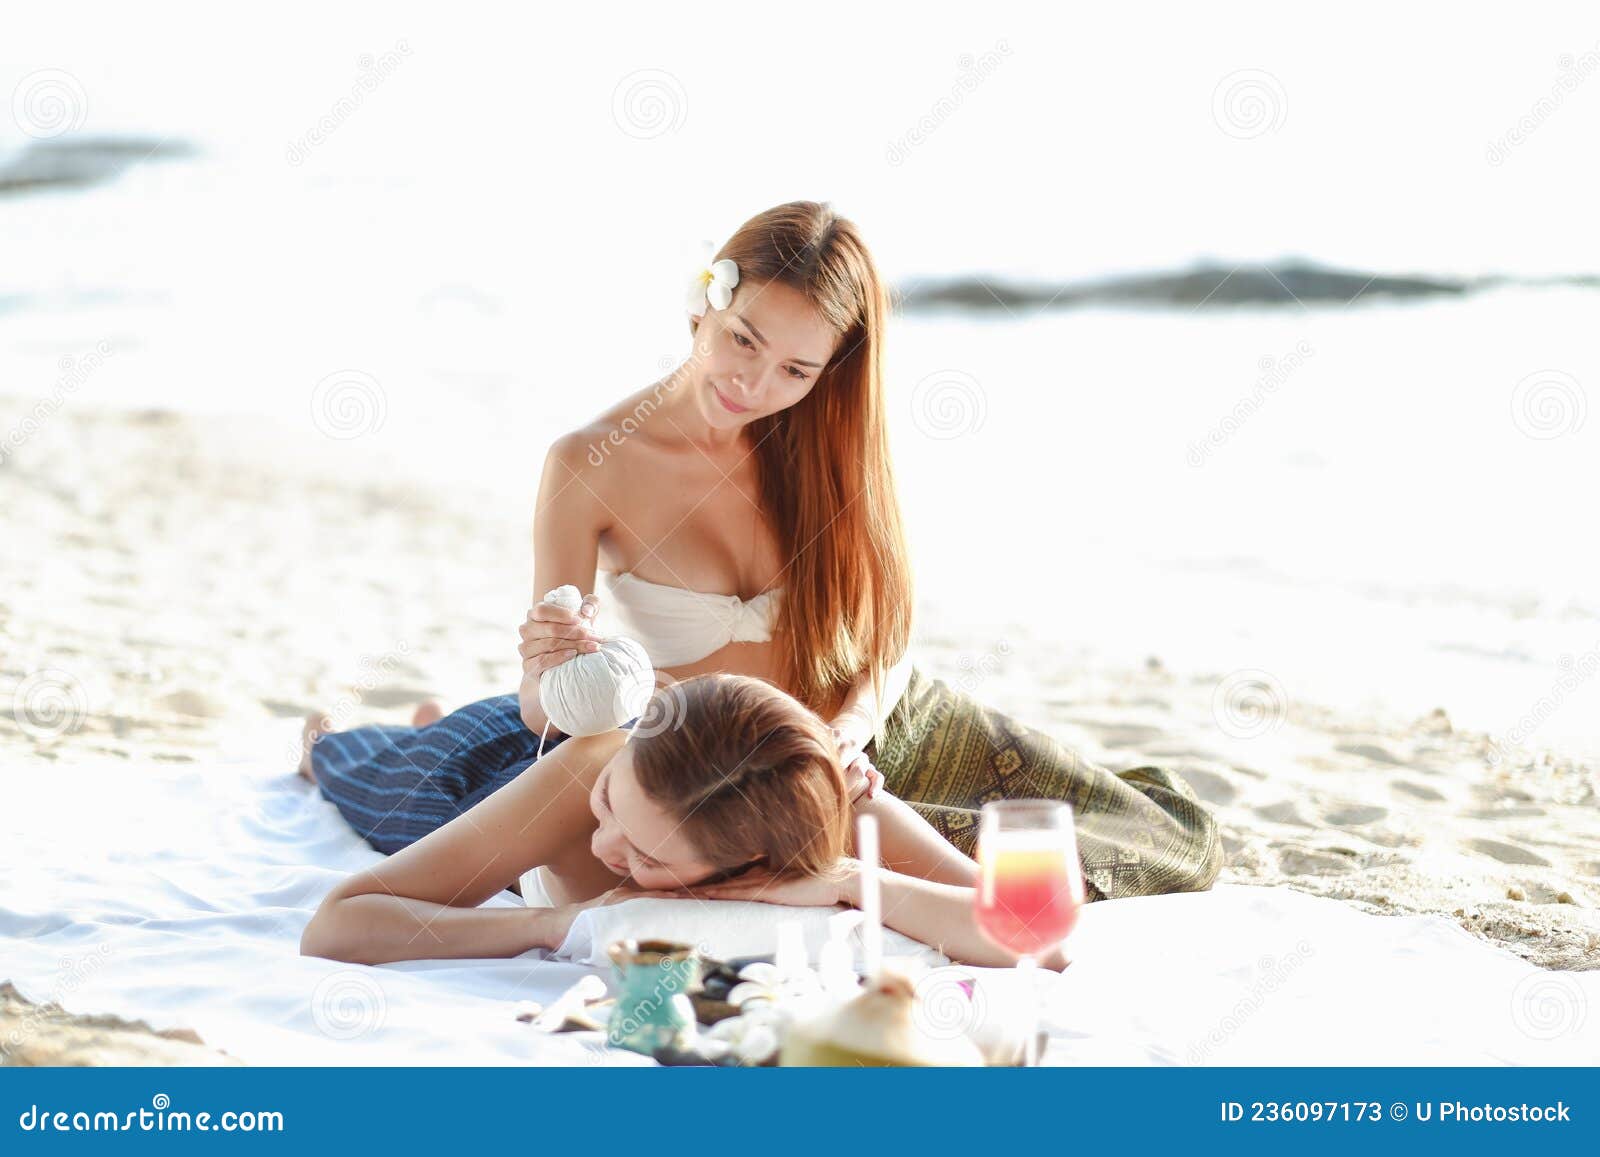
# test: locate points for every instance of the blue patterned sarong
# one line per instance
(396, 784)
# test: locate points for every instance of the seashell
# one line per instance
(762, 972)
(753, 1039)
(801, 984)
(713, 1049)
(749, 991)
(757, 1045)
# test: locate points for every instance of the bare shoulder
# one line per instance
(629, 433)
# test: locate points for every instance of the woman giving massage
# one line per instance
(737, 516)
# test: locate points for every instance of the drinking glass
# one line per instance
(1030, 886)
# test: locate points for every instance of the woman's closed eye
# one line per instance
(794, 372)
(605, 800)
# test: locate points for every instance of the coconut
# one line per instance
(877, 1028)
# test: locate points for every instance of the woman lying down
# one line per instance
(745, 800)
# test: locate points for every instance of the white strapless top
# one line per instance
(534, 893)
(676, 625)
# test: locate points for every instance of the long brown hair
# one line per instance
(748, 772)
(826, 479)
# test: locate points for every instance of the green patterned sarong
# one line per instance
(1140, 832)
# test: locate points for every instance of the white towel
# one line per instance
(176, 893)
(722, 929)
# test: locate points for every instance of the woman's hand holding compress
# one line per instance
(551, 635)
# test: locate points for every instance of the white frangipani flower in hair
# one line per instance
(713, 286)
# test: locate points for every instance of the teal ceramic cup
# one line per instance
(653, 1010)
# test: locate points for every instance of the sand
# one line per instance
(48, 1035)
(172, 581)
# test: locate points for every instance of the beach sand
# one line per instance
(170, 581)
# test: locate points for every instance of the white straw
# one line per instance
(871, 896)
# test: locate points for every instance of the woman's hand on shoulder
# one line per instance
(861, 777)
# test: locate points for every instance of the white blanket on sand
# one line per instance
(176, 893)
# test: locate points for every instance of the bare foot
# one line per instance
(315, 727)
(428, 711)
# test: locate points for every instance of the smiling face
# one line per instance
(760, 355)
(637, 837)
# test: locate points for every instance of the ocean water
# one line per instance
(438, 244)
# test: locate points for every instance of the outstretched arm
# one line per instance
(862, 714)
(939, 915)
(422, 903)
(911, 845)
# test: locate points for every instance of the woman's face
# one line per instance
(636, 837)
(760, 355)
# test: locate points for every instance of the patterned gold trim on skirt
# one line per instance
(1141, 832)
